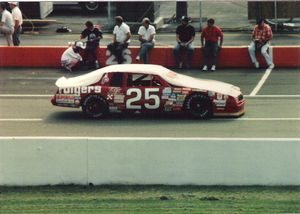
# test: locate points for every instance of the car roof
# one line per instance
(134, 68)
(95, 76)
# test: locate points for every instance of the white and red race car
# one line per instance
(141, 88)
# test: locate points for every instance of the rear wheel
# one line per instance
(199, 106)
(95, 106)
(90, 6)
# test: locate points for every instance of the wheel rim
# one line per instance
(91, 5)
(199, 107)
(95, 109)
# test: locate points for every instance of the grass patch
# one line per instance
(149, 199)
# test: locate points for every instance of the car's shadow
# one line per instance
(114, 118)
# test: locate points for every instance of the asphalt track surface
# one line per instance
(272, 108)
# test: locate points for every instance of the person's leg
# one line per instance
(214, 52)
(119, 52)
(266, 55)
(110, 47)
(9, 39)
(145, 47)
(205, 51)
(251, 50)
(190, 53)
(8, 34)
(16, 36)
(176, 52)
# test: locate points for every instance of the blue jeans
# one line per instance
(144, 51)
(210, 48)
(177, 51)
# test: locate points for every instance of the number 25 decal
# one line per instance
(138, 96)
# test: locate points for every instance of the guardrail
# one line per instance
(170, 161)
(229, 57)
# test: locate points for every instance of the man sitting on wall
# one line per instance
(121, 39)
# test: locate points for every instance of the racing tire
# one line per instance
(90, 6)
(95, 106)
(198, 106)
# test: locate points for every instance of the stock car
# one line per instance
(137, 88)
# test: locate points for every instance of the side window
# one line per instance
(156, 81)
(138, 80)
(116, 79)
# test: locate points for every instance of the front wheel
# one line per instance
(95, 106)
(199, 106)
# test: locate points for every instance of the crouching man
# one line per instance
(71, 58)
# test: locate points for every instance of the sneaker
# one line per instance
(213, 68)
(271, 66)
(68, 68)
(138, 58)
(204, 68)
(256, 64)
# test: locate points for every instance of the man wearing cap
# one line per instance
(93, 36)
(146, 37)
(121, 39)
(18, 20)
(261, 37)
(71, 57)
(6, 24)
(211, 34)
(185, 34)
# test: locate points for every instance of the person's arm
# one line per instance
(141, 39)
(151, 38)
(202, 39)
(153, 32)
(17, 23)
(128, 35)
(190, 41)
(114, 38)
(269, 35)
(221, 38)
(177, 38)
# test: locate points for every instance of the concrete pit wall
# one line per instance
(168, 161)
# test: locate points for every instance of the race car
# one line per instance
(138, 88)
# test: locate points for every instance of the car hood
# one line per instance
(205, 84)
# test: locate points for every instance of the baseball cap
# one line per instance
(13, 2)
(184, 18)
(80, 45)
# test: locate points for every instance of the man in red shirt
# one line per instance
(261, 37)
(211, 35)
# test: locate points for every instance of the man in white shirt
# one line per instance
(18, 20)
(147, 38)
(121, 39)
(6, 24)
(71, 57)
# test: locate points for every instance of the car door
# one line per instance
(143, 92)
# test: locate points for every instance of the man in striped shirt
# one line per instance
(261, 37)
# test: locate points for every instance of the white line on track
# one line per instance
(261, 82)
(214, 119)
(273, 96)
(21, 120)
(148, 138)
(259, 119)
(50, 95)
(32, 78)
(25, 95)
